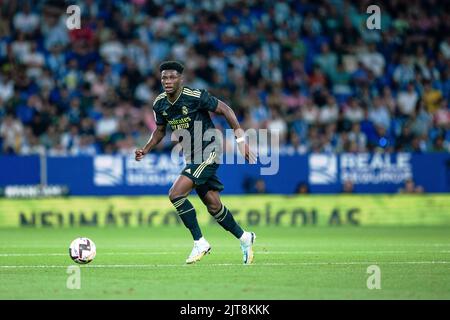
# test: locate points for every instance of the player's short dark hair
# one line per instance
(171, 65)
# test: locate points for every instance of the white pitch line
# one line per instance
(65, 254)
(260, 244)
(226, 264)
(256, 252)
(350, 252)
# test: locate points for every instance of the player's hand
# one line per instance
(248, 154)
(139, 154)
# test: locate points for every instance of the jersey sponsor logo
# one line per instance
(179, 121)
(178, 124)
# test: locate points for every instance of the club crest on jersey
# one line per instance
(184, 110)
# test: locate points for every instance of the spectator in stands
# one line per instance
(302, 188)
(439, 145)
(442, 116)
(315, 86)
(348, 187)
(411, 187)
(326, 60)
(11, 132)
(31, 144)
(329, 112)
(353, 111)
(25, 20)
(277, 125)
(404, 72)
(358, 138)
(6, 87)
(373, 60)
(340, 80)
(260, 186)
(407, 100)
(254, 185)
(432, 97)
(379, 114)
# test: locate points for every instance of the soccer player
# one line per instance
(184, 108)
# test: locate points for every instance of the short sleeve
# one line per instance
(159, 119)
(208, 101)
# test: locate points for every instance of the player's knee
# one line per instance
(174, 194)
(214, 207)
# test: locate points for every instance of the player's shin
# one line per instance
(226, 220)
(187, 214)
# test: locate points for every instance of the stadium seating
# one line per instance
(311, 70)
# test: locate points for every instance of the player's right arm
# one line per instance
(155, 138)
(157, 135)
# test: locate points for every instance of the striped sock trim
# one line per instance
(220, 220)
(183, 212)
(217, 215)
(179, 203)
(221, 214)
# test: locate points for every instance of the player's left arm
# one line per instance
(224, 110)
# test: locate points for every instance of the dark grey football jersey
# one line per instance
(190, 114)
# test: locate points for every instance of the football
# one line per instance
(82, 250)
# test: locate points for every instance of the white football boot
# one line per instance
(247, 241)
(201, 248)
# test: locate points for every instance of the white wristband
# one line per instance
(240, 139)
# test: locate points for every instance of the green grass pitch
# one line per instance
(290, 263)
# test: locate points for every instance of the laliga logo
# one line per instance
(73, 21)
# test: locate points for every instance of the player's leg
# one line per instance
(224, 217)
(178, 196)
(221, 214)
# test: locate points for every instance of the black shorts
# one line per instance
(204, 176)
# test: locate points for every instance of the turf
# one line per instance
(290, 263)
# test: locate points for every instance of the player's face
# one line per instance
(170, 80)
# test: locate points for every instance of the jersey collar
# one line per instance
(172, 103)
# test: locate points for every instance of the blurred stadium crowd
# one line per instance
(310, 69)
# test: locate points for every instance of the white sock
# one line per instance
(245, 237)
(202, 239)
